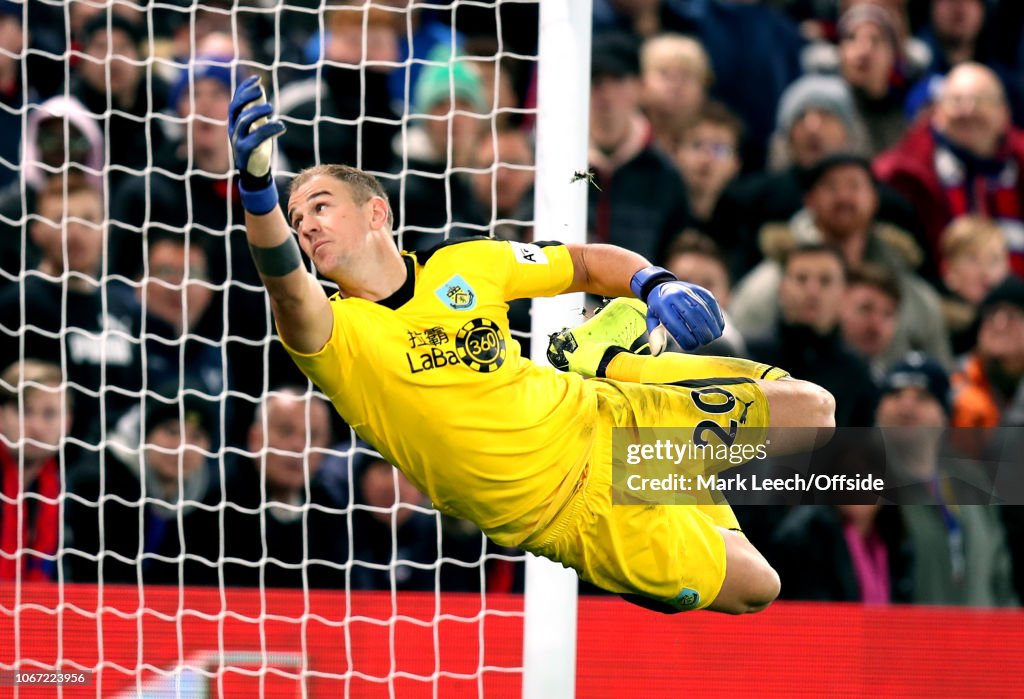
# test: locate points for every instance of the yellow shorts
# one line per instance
(674, 554)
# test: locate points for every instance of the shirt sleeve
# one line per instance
(537, 269)
(328, 367)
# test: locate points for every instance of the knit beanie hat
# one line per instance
(216, 68)
(455, 78)
(875, 14)
(825, 92)
(919, 371)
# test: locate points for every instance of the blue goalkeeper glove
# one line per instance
(689, 312)
(252, 142)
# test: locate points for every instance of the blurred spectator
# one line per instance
(841, 207)
(220, 43)
(953, 32)
(175, 295)
(958, 33)
(899, 11)
(499, 76)
(991, 380)
(968, 159)
(192, 187)
(35, 416)
(55, 38)
(210, 28)
(870, 61)
(13, 93)
(195, 190)
(131, 496)
(641, 18)
(344, 115)
(60, 138)
(69, 317)
(960, 551)
(60, 135)
(83, 12)
(676, 76)
(844, 553)
(693, 257)
(430, 34)
(45, 60)
(755, 54)
(505, 187)
(639, 201)
(806, 338)
(434, 201)
(393, 524)
(974, 261)
(822, 28)
(816, 117)
(708, 158)
(423, 32)
(869, 315)
(273, 523)
(111, 82)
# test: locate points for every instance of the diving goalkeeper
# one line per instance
(415, 353)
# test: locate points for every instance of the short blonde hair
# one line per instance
(685, 52)
(28, 375)
(362, 185)
(969, 234)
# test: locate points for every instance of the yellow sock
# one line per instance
(673, 367)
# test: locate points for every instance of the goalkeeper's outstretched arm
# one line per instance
(689, 312)
(301, 309)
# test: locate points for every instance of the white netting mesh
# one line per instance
(209, 526)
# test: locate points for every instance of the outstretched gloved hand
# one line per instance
(689, 312)
(252, 134)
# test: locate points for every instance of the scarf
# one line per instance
(39, 516)
(986, 186)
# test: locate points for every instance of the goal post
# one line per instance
(563, 108)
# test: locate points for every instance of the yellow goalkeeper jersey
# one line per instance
(432, 378)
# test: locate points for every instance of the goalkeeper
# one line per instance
(415, 354)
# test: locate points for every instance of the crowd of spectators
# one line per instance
(847, 177)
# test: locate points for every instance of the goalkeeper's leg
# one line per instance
(613, 344)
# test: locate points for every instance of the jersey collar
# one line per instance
(404, 292)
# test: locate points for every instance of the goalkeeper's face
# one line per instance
(335, 231)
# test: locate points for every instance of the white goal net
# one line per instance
(181, 513)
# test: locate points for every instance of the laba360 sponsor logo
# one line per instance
(479, 345)
(432, 354)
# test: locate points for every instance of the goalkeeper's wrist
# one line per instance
(259, 194)
(644, 281)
